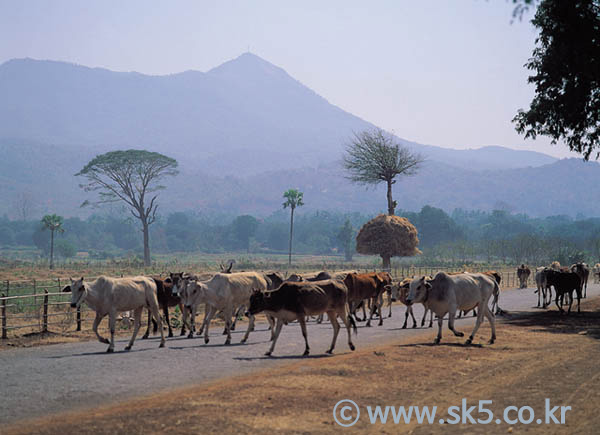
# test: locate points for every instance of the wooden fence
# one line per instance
(35, 305)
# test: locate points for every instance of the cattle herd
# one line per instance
(296, 298)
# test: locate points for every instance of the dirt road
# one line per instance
(67, 377)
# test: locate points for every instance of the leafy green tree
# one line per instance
(346, 238)
(53, 223)
(566, 65)
(130, 176)
(374, 156)
(293, 199)
(244, 228)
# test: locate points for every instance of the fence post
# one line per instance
(79, 318)
(4, 336)
(7, 288)
(45, 318)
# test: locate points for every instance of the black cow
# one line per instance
(564, 283)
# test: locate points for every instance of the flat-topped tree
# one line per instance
(53, 223)
(130, 176)
(374, 156)
(388, 236)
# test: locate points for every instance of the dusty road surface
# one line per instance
(69, 377)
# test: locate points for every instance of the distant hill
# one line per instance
(243, 132)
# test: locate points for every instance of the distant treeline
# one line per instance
(458, 238)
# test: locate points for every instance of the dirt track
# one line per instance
(117, 377)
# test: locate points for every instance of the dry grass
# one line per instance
(536, 356)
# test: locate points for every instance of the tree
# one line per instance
(53, 223)
(244, 228)
(65, 249)
(566, 65)
(293, 199)
(388, 236)
(374, 156)
(344, 237)
(130, 176)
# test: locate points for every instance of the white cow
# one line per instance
(597, 273)
(109, 296)
(223, 292)
(399, 292)
(445, 294)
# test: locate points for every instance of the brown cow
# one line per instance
(363, 286)
(523, 273)
(296, 300)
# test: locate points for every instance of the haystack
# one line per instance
(388, 236)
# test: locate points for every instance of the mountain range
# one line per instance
(243, 133)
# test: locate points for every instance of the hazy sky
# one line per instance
(447, 73)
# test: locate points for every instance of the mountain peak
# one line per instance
(248, 65)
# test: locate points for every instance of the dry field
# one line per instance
(538, 355)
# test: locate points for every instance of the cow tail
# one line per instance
(496, 296)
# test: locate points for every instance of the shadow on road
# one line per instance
(282, 357)
(584, 323)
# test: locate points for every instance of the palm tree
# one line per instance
(293, 199)
(53, 223)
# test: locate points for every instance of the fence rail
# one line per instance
(35, 300)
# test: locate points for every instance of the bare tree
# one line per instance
(24, 205)
(129, 176)
(374, 156)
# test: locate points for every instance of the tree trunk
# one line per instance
(291, 235)
(147, 261)
(386, 263)
(391, 205)
(51, 249)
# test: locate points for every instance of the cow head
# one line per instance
(257, 302)
(78, 292)
(192, 292)
(177, 280)
(418, 290)
(392, 290)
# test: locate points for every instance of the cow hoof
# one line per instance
(268, 353)
(436, 341)
(224, 332)
(459, 334)
(389, 315)
(243, 341)
(190, 335)
(127, 348)
(144, 337)
(414, 326)
(110, 350)
(206, 340)
(352, 347)
(329, 351)
(182, 333)
(162, 344)
(306, 352)
(404, 326)
(104, 340)
(228, 341)
(469, 341)
(170, 335)
(491, 341)
(368, 325)
(380, 323)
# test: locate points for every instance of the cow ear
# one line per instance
(66, 289)
(82, 278)
(427, 285)
(169, 280)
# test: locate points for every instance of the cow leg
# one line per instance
(137, 321)
(147, 333)
(474, 312)
(439, 335)
(207, 318)
(556, 302)
(405, 318)
(336, 329)
(320, 318)
(492, 319)
(424, 317)
(379, 301)
(390, 303)
(373, 310)
(250, 328)
(166, 311)
(302, 322)
(206, 310)
(460, 313)
(192, 313)
(228, 315)
(183, 318)
(277, 331)
(97, 321)
(349, 323)
(430, 318)
(539, 292)
(112, 319)
(477, 323)
(271, 321)
(412, 314)
(451, 316)
(156, 315)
